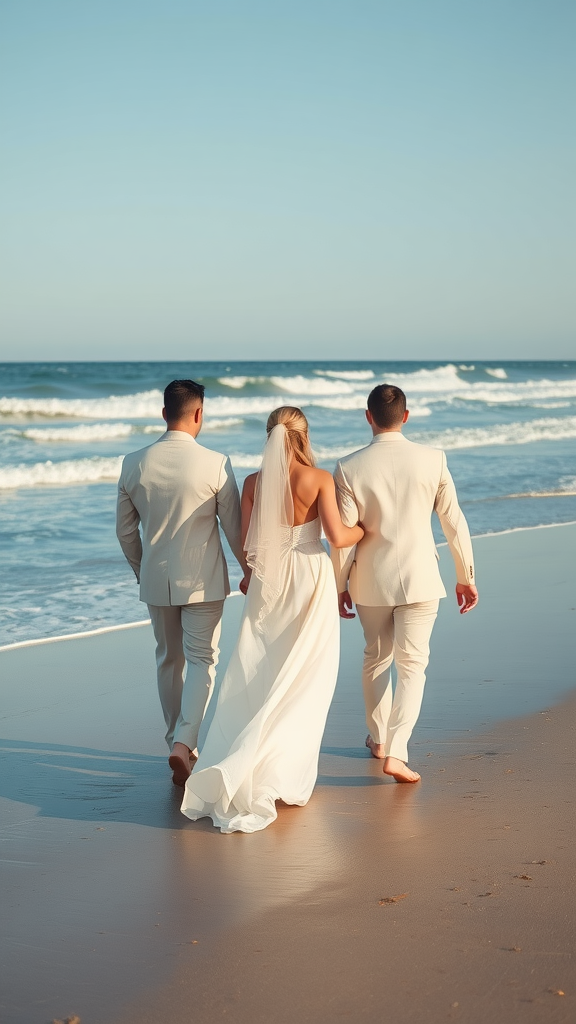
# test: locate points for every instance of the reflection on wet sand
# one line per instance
(131, 880)
(245, 875)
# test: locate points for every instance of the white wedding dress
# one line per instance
(264, 741)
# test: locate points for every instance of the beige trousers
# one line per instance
(186, 635)
(400, 634)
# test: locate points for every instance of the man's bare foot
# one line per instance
(179, 762)
(376, 749)
(399, 771)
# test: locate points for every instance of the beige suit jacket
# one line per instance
(170, 498)
(392, 487)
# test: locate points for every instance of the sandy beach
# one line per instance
(450, 900)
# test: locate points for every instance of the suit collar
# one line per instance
(177, 435)
(389, 436)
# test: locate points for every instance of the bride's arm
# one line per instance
(247, 504)
(338, 535)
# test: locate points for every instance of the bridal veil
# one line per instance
(269, 539)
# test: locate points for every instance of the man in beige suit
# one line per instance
(171, 496)
(392, 487)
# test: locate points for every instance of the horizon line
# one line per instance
(354, 362)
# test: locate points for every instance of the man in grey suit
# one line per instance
(171, 497)
(392, 487)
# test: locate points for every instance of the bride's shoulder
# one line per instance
(250, 483)
(309, 472)
(316, 478)
(322, 475)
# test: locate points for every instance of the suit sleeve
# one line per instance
(228, 510)
(342, 558)
(127, 531)
(454, 526)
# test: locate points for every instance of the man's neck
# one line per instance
(386, 430)
(184, 428)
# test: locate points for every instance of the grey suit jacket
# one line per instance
(170, 498)
(393, 486)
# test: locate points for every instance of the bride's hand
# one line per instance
(243, 585)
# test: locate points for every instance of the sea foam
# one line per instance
(479, 437)
(347, 374)
(258, 405)
(350, 402)
(300, 385)
(241, 382)
(92, 432)
(331, 389)
(98, 469)
(51, 474)
(108, 431)
(552, 429)
(143, 405)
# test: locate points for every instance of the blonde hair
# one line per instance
(296, 431)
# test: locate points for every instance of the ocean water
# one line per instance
(508, 429)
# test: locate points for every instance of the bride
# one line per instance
(264, 740)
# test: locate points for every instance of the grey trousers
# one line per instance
(186, 635)
(400, 634)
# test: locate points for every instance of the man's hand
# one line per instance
(467, 597)
(345, 606)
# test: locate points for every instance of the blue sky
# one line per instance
(307, 179)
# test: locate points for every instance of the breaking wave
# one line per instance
(347, 374)
(144, 405)
(300, 385)
(98, 469)
(51, 474)
(553, 429)
(107, 431)
(241, 461)
(241, 382)
(94, 432)
(332, 389)
(531, 393)
(480, 437)
(263, 405)
(359, 402)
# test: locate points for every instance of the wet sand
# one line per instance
(375, 902)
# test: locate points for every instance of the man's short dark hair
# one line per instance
(179, 396)
(387, 405)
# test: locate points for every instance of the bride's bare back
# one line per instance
(305, 484)
(313, 495)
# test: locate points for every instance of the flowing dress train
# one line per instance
(264, 741)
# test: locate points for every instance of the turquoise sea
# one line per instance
(508, 429)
